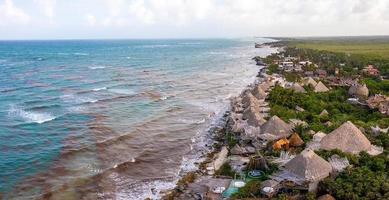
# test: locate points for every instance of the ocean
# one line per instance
(112, 119)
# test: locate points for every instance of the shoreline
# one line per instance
(216, 134)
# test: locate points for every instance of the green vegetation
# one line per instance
(372, 49)
(225, 170)
(283, 102)
(250, 190)
(231, 139)
(273, 68)
(367, 179)
(358, 183)
(377, 86)
(368, 176)
(349, 56)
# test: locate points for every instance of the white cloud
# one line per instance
(139, 10)
(208, 18)
(10, 14)
(47, 6)
(90, 19)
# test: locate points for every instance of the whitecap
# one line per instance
(71, 98)
(163, 98)
(98, 89)
(30, 116)
(76, 109)
(81, 54)
(123, 91)
(96, 67)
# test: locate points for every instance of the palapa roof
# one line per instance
(295, 140)
(248, 100)
(347, 138)
(265, 85)
(309, 166)
(359, 90)
(309, 81)
(258, 92)
(324, 112)
(320, 87)
(276, 127)
(253, 117)
(326, 197)
(297, 88)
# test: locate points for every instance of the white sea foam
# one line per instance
(71, 98)
(97, 67)
(122, 91)
(30, 116)
(145, 190)
(81, 54)
(76, 109)
(98, 89)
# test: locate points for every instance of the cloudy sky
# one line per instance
(67, 19)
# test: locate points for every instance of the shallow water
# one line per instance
(112, 119)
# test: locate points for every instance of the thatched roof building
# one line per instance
(323, 113)
(258, 92)
(309, 166)
(309, 81)
(295, 140)
(380, 102)
(358, 90)
(249, 100)
(347, 138)
(320, 87)
(276, 128)
(297, 88)
(253, 116)
(326, 197)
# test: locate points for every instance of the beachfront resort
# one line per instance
(314, 125)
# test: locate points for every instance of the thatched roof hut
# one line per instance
(295, 140)
(320, 87)
(309, 166)
(359, 90)
(277, 128)
(265, 86)
(309, 81)
(380, 102)
(253, 116)
(326, 197)
(258, 92)
(248, 100)
(323, 113)
(347, 138)
(297, 88)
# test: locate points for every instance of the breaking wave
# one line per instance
(30, 116)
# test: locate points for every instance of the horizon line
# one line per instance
(189, 38)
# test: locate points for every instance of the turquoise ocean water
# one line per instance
(111, 118)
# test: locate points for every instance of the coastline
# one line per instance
(216, 134)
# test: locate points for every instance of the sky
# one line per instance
(121, 19)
